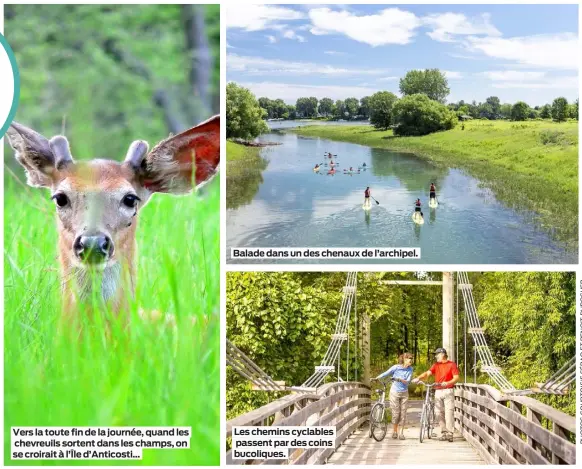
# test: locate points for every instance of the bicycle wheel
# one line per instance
(378, 425)
(422, 419)
(431, 422)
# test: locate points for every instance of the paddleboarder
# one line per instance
(367, 202)
(432, 191)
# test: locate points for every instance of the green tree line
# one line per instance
(284, 322)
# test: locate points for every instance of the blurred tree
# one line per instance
(560, 111)
(108, 74)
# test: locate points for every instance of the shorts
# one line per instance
(417, 209)
(433, 195)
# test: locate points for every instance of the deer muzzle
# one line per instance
(93, 249)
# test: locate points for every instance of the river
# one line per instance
(290, 205)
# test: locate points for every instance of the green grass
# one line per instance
(143, 378)
(529, 165)
(244, 167)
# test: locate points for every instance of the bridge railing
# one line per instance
(343, 405)
(508, 429)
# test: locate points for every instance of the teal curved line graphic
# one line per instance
(16, 75)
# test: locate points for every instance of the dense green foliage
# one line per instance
(430, 82)
(244, 168)
(352, 107)
(106, 75)
(284, 322)
(530, 320)
(306, 107)
(417, 114)
(519, 111)
(381, 106)
(109, 74)
(275, 109)
(514, 159)
(244, 116)
(326, 107)
(560, 110)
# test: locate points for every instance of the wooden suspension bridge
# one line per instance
(490, 428)
(492, 425)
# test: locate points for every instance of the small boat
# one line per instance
(417, 218)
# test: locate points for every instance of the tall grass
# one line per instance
(529, 165)
(142, 376)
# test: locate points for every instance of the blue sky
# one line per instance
(515, 52)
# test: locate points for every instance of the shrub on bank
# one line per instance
(419, 115)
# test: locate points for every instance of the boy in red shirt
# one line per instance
(446, 373)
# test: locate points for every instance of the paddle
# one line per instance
(375, 200)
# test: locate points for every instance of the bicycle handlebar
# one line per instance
(430, 385)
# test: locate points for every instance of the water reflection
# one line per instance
(294, 206)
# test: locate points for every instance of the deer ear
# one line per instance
(40, 157)
(181, 162)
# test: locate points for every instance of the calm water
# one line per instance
(291, 206)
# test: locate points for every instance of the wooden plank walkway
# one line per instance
(359, 448)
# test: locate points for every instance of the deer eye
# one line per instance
(130, 200)
(60, 199)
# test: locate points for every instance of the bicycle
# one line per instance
(428, 416)
(378, 424)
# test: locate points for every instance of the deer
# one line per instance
(98, 201)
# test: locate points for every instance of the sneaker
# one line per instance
(444, 437)
(394, 436)
(450, 437)
(401, 437)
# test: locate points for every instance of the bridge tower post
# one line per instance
(448, 315)
(365, 347)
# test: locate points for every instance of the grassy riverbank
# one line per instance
(244, 166)
(528, 165)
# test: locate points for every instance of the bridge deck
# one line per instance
(359, 448)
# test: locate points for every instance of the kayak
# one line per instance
(316, 169)
(433, 203)
(347, 171)
(417, 218)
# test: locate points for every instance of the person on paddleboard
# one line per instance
(316, 166)
(417, 205)
(364, 165)
(367, 197)
(432, 191)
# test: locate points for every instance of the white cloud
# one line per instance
(258, 17)
(272, 39)
(387, 78)
(514, 75)
(290, 34)
(558, 51)
(262, 66)
(448, 25)
(562, 83)
(333, 52)
(389, 26)
(290, 92)
(453, 75)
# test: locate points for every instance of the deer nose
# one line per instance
(93, 249)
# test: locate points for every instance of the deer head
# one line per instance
(97, 201)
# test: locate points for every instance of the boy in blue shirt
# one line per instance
(401, 375)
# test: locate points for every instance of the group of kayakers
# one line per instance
(417, 203)
(332, 165)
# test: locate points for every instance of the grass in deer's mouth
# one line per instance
(145, 378)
